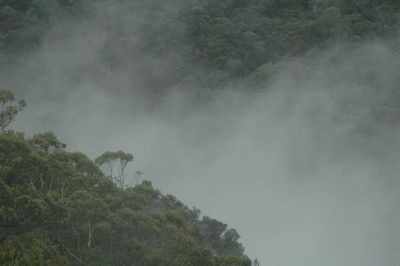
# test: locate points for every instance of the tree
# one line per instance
(115, 161)
(57, 208)
(46, 142)
(231, 245)
(9, 108)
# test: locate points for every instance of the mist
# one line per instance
(305, 168)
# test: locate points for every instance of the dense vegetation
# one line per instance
(58, 208)
(228, 38)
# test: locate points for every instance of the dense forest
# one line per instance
(61, 208)
(202, 43)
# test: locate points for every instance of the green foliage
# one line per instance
(114, 165)
(9, 108)
(232, 261)
(239, 37)
(58, 208)
(32, 252)
(46, 142)
(230, 38)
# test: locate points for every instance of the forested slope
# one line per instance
(58, 208)
(169, 41)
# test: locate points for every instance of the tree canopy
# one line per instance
(227, 39)
(9, 108)
(59, 208)
(114, 165)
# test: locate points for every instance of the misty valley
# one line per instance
(199, 132)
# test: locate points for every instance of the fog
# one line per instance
(305, 169)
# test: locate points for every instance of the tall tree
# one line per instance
(9, 108)
(114, 165)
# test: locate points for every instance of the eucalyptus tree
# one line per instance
(9, 108)
(114, 165)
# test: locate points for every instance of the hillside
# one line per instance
(57, 208)
(281, 115)
(198, 43)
